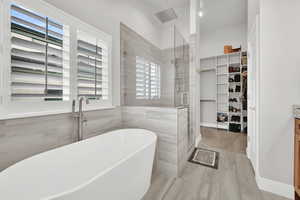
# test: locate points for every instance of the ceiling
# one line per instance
(159, 5)
(221, 13)
(181, 7)
(217, 13)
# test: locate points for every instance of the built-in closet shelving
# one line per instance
(222, 91)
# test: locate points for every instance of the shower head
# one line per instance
(166, 15)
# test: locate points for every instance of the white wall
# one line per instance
(167, 37)
(253, 10)
(182, 24)
(212, 42)
(168, 34)
(106, 15)
(208, 90)
(280, 87)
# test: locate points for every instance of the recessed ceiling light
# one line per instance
(200, 13)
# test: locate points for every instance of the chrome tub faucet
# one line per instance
(79, 116)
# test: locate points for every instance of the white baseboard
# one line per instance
(275, 187)
(212, 125)
(208, 124)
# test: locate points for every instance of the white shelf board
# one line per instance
(234, 53)
(234, 73)
(222, 65)
(208, 58)
(222, 93)
(234, 113)
(222, 74)
(207, 69)
(234, 63)
(223, 122)
(222, 83)
(214, 125)
(222, 125)
(222, 55)
(231, 122)
(208, 99)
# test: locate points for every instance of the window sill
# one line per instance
(52, 112)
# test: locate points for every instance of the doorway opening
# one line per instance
(224, 66)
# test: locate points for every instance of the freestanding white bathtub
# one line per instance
(112, 166)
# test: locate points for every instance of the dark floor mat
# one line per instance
(205, 157)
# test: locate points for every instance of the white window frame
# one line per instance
(10, 109)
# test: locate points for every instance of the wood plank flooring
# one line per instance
(225, 140)
(233, 180)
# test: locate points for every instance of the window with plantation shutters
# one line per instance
(154, 81)
(49, 58)
(39, 57)
(147, 79)
(92, 59)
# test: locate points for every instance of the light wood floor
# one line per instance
(233, 180)
(224, 140)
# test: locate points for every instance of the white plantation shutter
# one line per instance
(147, 79)
(142, 78)
(39, 57)
(36, 56)
(92, 75)
(155, 81)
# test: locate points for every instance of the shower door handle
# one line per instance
(183, 95)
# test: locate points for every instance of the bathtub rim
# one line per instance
(97, 176)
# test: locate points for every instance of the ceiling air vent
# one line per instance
(166, 15)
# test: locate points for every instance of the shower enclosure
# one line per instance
(181, 62)
(181, 66)
(155, 77)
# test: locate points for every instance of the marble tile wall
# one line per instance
(167, 78)
(182, 138)
(194, 100)
(182, 68)
(23, 138)
(170, 125)
(132, 45)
